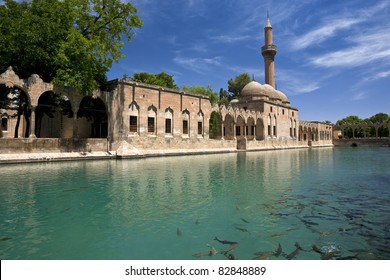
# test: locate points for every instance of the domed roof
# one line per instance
(256, 89)
(282, 95)
(252, 88)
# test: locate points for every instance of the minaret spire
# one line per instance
(269, 51)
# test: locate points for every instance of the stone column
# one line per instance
(222, 126)
(32, 122)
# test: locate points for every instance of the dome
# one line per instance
(252, 88)
(256, 89)
(271, 92)
(282, 95)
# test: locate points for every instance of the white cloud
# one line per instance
(230, 38)
(365, 49)
(332, 25)
(198, 64)
(360, 96)
(321, 34)
(382, 75)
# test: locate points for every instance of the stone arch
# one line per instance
(250, 128)
(228, 127)
(17, 105)
(383, 131)
(260, 129)
(92, 118)
(53, 116)
(240, 127)
(215, 125)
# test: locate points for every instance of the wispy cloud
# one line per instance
(360, 96)
(230, 38)
(198, 64)
(296, 82)
(334, 24)
(365, 48)
(323, 33)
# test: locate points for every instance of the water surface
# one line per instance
(173, 208)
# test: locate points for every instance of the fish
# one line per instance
(209, 253)
(316, 249)
(278, 234)
(278, 251)
(197, 222)
(231, 248)
(244, 220)
(306, 222)
(5, 238)
(225, 241)
(295, 252)
(263, 255)
(178, 232)
(241, 229)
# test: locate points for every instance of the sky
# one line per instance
(332, 61)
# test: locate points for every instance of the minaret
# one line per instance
(269, 51)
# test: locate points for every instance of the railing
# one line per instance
(268, 48)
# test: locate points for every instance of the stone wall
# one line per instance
(51, 145)
(362, 142)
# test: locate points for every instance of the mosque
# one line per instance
(129, 118)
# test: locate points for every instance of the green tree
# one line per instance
(349, 120)
(162, 79)
(379, 118)
(70, 42)
(223, 97)
(235, 86)
(206, 91)
(383, 131)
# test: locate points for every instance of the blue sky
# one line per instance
(333, 57)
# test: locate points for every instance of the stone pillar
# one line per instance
(32, 122)
(222, 126)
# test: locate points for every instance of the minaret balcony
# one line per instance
(268, 49)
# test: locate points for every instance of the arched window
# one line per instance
(269, 125)
(134, 116)
(152, 113)
(186, 122)
(168, 121)
(200, 123)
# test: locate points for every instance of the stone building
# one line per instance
(131, 118)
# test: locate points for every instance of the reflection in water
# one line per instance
(295, 204)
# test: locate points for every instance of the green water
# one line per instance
(171, 208)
